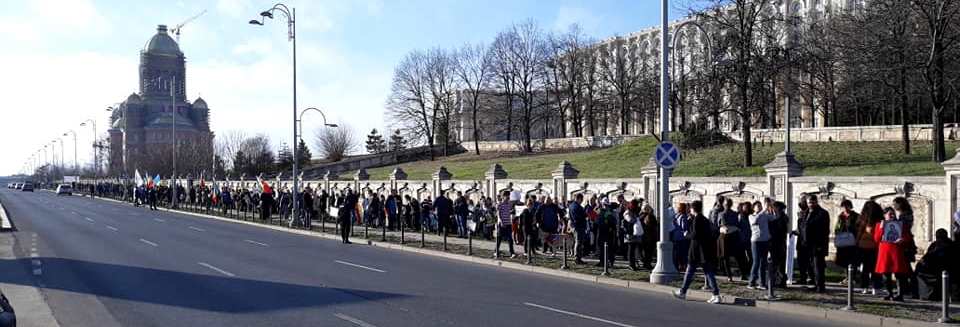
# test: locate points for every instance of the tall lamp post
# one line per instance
(291, 16)
(96, 163)
(76, 166)
(300, 122)
(664, 272)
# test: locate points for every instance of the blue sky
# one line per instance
(64, 61)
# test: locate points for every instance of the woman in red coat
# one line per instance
(890, 235)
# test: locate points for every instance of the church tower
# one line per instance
(160, 63)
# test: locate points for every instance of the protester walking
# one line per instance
(702, 253)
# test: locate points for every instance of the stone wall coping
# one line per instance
(844, 128)
(939, 180)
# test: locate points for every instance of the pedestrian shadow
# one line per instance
(179, 289)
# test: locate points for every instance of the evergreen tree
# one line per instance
(284, 158)
(375, 143)
(303, 154)
(397, 142)
(240, 162)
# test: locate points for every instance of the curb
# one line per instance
(832, 315)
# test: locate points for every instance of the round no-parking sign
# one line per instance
(667, 155)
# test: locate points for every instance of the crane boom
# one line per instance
(176, 29)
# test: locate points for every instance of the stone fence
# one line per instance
(893, 133)
(934, 198)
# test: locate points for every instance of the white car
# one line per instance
(64, 189)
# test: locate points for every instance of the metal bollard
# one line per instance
(850, 306)
(444, 236)
(945, 294)
(771, 280)
(401, 231)
(423, 242)
(383, 234)
(564, 265)
(606, 269)
(469, 242)
(496, 250)
(366, 229)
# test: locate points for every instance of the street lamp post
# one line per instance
(96, 163)
(300, 122)
(664, 272)
(291, 16)
(76, 166)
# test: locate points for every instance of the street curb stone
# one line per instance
(827, 314)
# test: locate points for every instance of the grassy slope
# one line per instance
(836, 159)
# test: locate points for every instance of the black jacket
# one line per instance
(703, 245)
(817, 231)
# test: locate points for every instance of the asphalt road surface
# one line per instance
(110, 264)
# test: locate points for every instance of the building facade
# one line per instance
(142, 126)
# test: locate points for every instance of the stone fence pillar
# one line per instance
(396, 175)
(560, 176)
(779, 171)
(493, 174)
(327, 177)
(361, 175)
(649, 174)
(952, 169)
(438, 177)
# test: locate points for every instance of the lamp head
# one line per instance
(255, 22)
(332, 125)
(267, 14)
(83, 124)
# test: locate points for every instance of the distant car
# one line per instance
(64, 189)
(27, 187)
(18, 186)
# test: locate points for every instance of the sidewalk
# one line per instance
(26, 298)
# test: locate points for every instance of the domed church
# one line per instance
(142, 125)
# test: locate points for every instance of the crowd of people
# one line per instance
(877, 241)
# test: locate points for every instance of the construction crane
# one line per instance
(176, 29)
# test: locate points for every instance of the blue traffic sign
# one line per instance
(667, 155)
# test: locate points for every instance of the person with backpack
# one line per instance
(548, 219)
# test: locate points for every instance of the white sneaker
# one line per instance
(873, 291)
(866, 291)
(679, 295)
(715, 299)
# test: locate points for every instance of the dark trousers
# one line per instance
(902, 283)
(529, 244)
(345, 230)
(648, 253)
(805, 264)
(778, 252)
(504, 233)
(868, 277)
(820, 268)
(633, 253)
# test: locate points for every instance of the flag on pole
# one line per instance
(264, 186)
(147, 180)
(156, 180)
(138, 179)
(202, 184)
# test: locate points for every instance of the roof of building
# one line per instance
(162, 43)
(165, 120)
(199, 103)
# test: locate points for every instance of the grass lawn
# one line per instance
(825, 159)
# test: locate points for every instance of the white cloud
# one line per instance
(567, 15)
(235, 8)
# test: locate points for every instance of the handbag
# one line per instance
(844, 239)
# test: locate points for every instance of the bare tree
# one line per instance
(474, 69)
(526, 57)
(335, 144)
(570, 53)
(408, 105)
(939, 20)
(228, 143)
(442, 83)
(504, 72)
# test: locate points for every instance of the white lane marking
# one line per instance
(33, 249)
(159, 220)
(198, 229)
(148, 242)
(580, 315)
(355, 321)
(216, 269)
(88, 219)
(74, 212)
(255, 242)
(112, 228)
(358, 266)
(34, 255)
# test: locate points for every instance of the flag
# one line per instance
(149, 181)
(264, 186)
(214, 193)
(138, 179)
(156, 180)
(201, 179)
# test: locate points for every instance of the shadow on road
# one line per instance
(180, 289)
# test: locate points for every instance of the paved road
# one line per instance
(110, 264)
